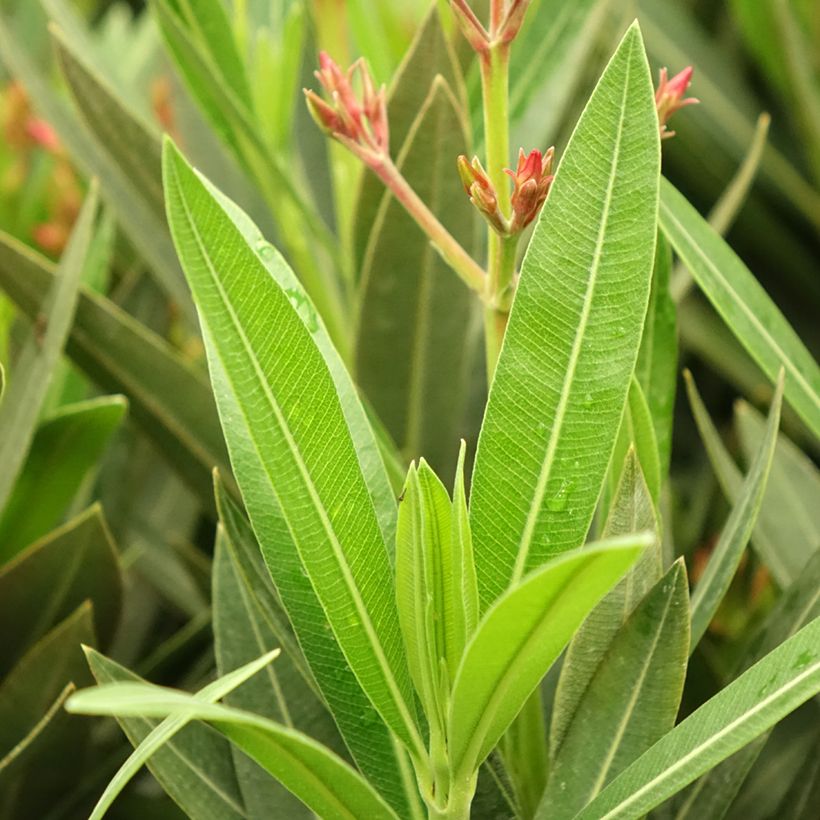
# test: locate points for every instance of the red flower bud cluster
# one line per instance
(531, 184)
(357, 120)
(669, 97)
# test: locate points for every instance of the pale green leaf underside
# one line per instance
(570, 348)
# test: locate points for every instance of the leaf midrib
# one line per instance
(563, 402)
(785, 360)
(337, 551)
(711, 741)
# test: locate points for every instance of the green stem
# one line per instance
(501, 251)
(443, 241)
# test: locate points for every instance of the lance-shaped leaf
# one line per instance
(632, 510)
(242, 632)
(745, 307)
(518, 640)
(39, 357)
(784, 560)
(169, 727)
(65, 448)
(170, 400)
(793, 488)
(365, 438)
(712, 795)
(48, 581)
(723, 562)
(778, 684)
(194, 766)
(416, 331)
(631, 701)
(657, 366)
(305, 465)
(324, 782)
(562, 378)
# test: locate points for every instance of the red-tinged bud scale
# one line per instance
(358, 121)
(669, 97)
(531, 180)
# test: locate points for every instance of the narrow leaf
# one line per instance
(554, 408)
(170, 400)
(321, 780)
(632, 510)
(305, 464)
(723, 563)
(39, 357)
(416, 334)
(65, 448)
(745, 307)
(778, 684)
(520, 637)
(169, 727)
(631, 701)
(194, 766)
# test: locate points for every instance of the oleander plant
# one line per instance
(342, 457)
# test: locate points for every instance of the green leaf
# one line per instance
(724, 560)
(41, 755)
(426, 593)
(133, 144)
(365, 438)
(159, 736)
(170, 400)
(791, 494)
(48, 581)
(429, 55)
(518, 640)
(657, 367)
(242, 631)
(39, 357)
(64, 449)
(767, 692)
(194, 767)
(326, 784)
(631, 701)
(745, 307)
(555, 407)
(632, 510)
(782, 559)
(293, 451)
(712, 795)
(417, 328)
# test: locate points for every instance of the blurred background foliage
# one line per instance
(106, 536)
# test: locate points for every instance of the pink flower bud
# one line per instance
(669, 97)
(531, 180)
(481, 192)
(358, 121)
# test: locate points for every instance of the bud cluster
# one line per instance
(531, 184)
(358, 121)
(669, 97)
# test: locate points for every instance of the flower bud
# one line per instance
(669, 97)
(531, 180)
(481, 192)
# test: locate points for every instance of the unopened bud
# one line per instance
(669, 97)
(531, 180)
(481, 192)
